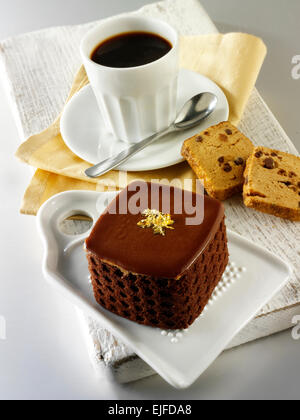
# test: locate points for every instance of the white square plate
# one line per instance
(251, 280)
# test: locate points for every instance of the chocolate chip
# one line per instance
(221, 159)
(282, 172)
(227, 167)
(256, 194)
(273, 154)
(287, 183)
(298, 184)
(258, 154)
(199, 139)
(206, 133)
(292, 174)
(239, 161)
(223, 137)
(228, 131)
(269, 163)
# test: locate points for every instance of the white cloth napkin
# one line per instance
(39, 80)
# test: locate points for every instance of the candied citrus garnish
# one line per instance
(156, 220)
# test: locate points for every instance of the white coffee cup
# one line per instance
(135, 102)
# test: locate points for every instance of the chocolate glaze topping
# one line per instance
(118, 240)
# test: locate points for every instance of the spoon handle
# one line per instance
(108, 164)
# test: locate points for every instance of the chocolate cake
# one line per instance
(149, 265)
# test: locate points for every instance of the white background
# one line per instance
(44, 355)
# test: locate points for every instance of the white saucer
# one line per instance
(252, 278)
(84, 132)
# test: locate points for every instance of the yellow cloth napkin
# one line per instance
(232, 60)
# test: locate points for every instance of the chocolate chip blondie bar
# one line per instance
(272, 183)
(218, 156)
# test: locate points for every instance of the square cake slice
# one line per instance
(272, 183)
(218, 156)
(152, 267)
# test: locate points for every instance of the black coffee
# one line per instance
(131, 49)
